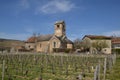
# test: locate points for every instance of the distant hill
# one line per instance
(10, 42)
(2, 39)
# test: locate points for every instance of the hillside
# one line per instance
(10, 43)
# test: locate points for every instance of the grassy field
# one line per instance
(115, 71)
(52, 67)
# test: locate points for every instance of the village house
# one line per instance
(90, 39)
(116, 42)
(30, 43)
(10, 45)
(51, 42)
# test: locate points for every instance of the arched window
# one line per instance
(29, 46)
(54, 44)
(58, 26)
(40, 45)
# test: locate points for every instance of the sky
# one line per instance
(19, 19)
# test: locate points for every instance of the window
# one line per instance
(58, 26)
(29, 46)
(40, 45)
(54, 44)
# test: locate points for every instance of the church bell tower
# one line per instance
(60, 28)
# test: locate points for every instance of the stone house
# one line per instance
(96, 38)
(30, 43)
(51, 42)
(116, 42)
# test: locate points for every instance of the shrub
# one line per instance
(62, 50)
(117, 51)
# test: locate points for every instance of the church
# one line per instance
(51, 42)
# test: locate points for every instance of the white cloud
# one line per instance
(21, 36)
(47, 7)
(56, 6)
(112, 33)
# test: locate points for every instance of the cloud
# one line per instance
(56, 6)
(46, 7)
(112, 33)
(20, 36)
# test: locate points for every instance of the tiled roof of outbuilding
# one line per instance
(97, 37)
(31, 39)
(116, 40)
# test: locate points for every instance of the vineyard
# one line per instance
(55, 66)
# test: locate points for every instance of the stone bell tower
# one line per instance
(60, 29)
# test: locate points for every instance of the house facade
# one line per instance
(51, 42)
(95, 39)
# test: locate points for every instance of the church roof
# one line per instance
(64, 39)
(69, 41)
(44, 37)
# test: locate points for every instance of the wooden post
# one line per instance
(110, 62)
(3, 69)
(104, 69)
(95, 73)
(79, 77)
(114, 58)
(99, 70)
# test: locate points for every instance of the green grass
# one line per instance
(115, 72)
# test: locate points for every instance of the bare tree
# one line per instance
(86, 44)
(78, 43)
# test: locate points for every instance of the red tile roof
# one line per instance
(97, 37)
(116, 40)
(31, 39)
